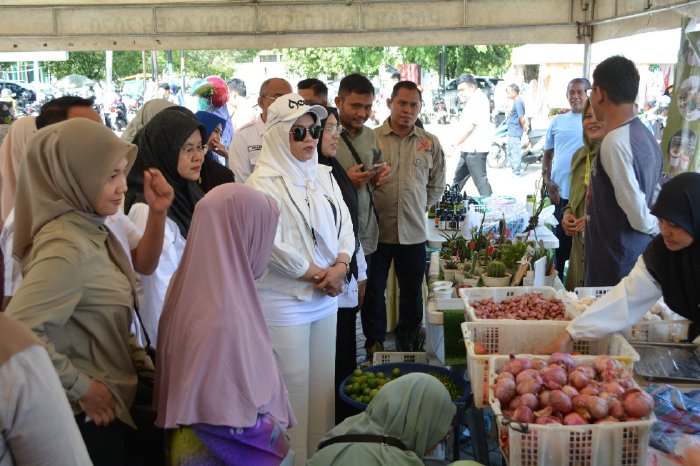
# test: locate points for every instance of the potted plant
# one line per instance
(449, 269)
(470, 276)
(496, 274)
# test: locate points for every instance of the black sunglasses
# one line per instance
(299, 133)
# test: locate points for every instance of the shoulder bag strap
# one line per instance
(364, 438)
(359, 161)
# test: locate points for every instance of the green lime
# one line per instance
(380, 375)
(357, 372)
(396, 372)
(365, 399)
(370, 375)
(347, 389)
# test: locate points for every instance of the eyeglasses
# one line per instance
(332, 129)
(189, 151)
(299, 133)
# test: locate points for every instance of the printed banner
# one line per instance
(679, 142)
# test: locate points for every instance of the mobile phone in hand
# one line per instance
(378, 166)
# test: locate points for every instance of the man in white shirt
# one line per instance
(247, 142)
(474, 141)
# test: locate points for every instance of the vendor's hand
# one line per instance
(581, 224)
(333, 279)
(218, 148)
(158, 192)
(382, 175)
(358, 177)
(559, 345)
(553, 190)
(98, 403)
(568, 223)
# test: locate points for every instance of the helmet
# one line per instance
(220, 96)
(664, 101)
(6, 93)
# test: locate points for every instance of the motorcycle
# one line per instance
(115, 115)
(532, 151)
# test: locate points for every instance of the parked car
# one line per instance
(20, 91)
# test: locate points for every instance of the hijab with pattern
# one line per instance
(159, 144)
(12, 151)
(415, 409)
(678, 272)
(65, 168)
(216, 364)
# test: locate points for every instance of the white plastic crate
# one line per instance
(384, 357)
(620, 444)
(526, 337)
(658, 331)
(498, 294)
(596, 291)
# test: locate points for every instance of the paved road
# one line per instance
(501, 179)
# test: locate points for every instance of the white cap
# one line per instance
(289, 107)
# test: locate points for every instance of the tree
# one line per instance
(90, 64)
(335, 62)
(198, 63)
(339, 61)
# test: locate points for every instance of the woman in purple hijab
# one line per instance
(217, 380)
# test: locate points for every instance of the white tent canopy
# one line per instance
(73, 25)
(660, 47)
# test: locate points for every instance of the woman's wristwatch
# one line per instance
(345, 263)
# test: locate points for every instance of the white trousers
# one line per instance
(306, 357)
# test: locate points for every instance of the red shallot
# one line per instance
(637, 403)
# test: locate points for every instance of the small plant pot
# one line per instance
(443, 293)
(472, 282)
(449, 274)
(496, 281)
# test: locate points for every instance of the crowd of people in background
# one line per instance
(200, 277)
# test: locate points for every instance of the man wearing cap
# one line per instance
(247, 142)
(314, 241)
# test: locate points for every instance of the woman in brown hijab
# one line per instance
(78, 286)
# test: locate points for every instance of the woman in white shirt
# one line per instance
(173, 143)
(310, 260)
(669, 267)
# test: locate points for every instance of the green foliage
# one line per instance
(511, 253)
(450, 265)
(335, 62)
(470, 269)
(496, 269)
(198, 63)
(90, 64)
(491, 60)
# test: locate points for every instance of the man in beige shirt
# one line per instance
(417, 182)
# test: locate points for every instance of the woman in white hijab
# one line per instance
(310, 260)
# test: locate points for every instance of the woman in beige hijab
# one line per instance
(78, 285)
(11, 153)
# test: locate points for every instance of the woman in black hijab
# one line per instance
(669, 268)
(349, 300)
(162, 143)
